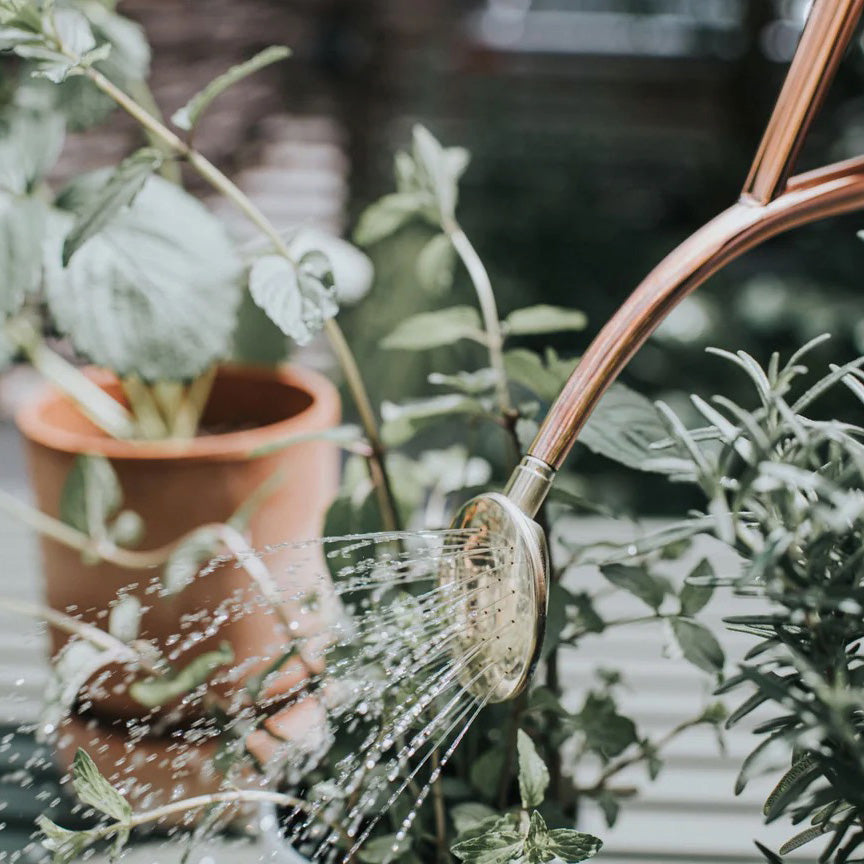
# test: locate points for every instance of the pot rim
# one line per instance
(322, 413)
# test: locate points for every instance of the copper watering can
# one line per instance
(503, 643)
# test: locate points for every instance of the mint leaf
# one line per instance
(91, 495)
(434, 329)
(572, 846)
(436, 264)
(382, 850)
(533, 774)
(188, 557)
(535, 320)
(387, 215)
(496, 840)
(118, 192)
(95, 791)
(154, 293)
(298, 300)
(65, 845)
(154, 692)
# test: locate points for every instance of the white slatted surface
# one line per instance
(688, 814)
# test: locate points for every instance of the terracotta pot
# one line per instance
(178, 486)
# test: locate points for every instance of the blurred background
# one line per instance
(603, 132)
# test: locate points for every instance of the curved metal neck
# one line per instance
(768, 206)
(529, 484)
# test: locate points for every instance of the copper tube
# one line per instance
(768, 206)
(830, 26)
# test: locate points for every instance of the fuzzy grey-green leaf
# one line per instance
(533, 773)
(387, 215)
(91, 495)
(434, 329)
(435, 265)
(154, 692)
(154, 293)
(119, 191)
(540, 319)
(94, 790)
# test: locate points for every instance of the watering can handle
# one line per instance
(770, 203)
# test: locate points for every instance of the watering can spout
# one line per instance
(770, 203)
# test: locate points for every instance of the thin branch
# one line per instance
(488, 308)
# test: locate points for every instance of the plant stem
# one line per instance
(188, 416)
(232, 539)
(107, 413)
(145, 408)
(77, 540)
(488, 308)
(169, 169)
(621, 764)
(209, 172)
(239, 796)
(100, 638)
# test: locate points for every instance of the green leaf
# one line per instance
(298, 301)
(607, 732)
(697, 644)
(638, 582)
(155, 692)
(434, 329)
(127, 65)
(188, 557)
(543, 378)
(74, 31)
(496, 840)
(188, 116)
(91, 495)
(95, 791)
(470, 383)
(22, 230)
(387, 215)
(572, 846)
(440, 169)
(118, 192)
(623, 427)
(469, 815)
(485, 771)
(155, 293)
(436, 264)
(381, 850)
(65, 845)
(124, 620)
(534, 320)
(533, 774)
(695, 597)
(610, 804)
(30, 142)
(403, 422)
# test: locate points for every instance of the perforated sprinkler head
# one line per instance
(497, 594)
